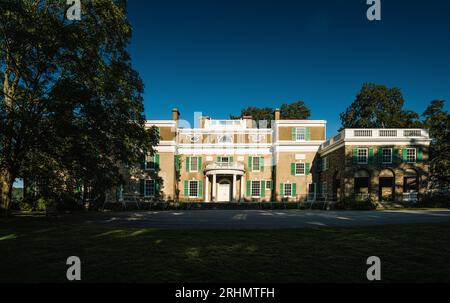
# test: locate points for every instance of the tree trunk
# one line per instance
(6, 185)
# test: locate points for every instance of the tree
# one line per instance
(377, 106)
(437, 120)
(70, 102)
(296, 110)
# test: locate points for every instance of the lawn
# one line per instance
(35, 250)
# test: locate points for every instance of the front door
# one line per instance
(223, 191)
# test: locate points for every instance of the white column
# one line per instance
(242, 188)
(214, 188)
(206, 189)
(234, 188)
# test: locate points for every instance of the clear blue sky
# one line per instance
(220, 56)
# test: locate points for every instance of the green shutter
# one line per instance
(218, 159)
(404, 155)
(157, 161)
(263, 189)
(250, 162)
(308, 134)
(292, 169)
(187, 164)
(248, 188)
(142, 187)
(186, 188)
(355, 156)
(371, 153)
(294, 189)
(319, 164)
(395, 156)
(157, 188)
(199, 163)
(307, 168)
(200, 189)
(282, 189)
(231, 159)
(294, 134)
(419, 154)
(261, 164)
(177, 163)
(380, 155)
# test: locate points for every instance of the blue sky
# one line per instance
(220, 56)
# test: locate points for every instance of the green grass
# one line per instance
(34, 250)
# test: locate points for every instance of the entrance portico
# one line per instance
(224, 179)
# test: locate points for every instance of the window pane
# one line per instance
(411, 155)
(387, 155)
(149, 188)
(287, 190)
(256, 188)
(300, 168)
(255, 164)
(193, 188)
(301, 134)
(194, 164)
(362, 155)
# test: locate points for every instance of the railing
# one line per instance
(410, 197)
(225, 165)
(377, 133)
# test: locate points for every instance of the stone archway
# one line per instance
(362, 182)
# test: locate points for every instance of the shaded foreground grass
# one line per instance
(33, 250)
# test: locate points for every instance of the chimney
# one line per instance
(175, 114)
(277, 114)
(248, 121)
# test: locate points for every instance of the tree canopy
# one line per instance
(437, 120)
(377, 106)
(70, 101)
(295, 110)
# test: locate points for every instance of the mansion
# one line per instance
(291, 161)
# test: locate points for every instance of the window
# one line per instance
(288, 190)
(193, 189)
(324, 163)
(300, 134)
(386, 155)
(256, 189)
(150, 162)
(268, 185)
(224, 159)
(411, 155)
(193, 164)
(363, 155)
(149, 188)
(255, 163)
(324, 189)
(299, 169)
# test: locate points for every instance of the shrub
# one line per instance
(437, 200)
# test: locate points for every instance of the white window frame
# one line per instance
(253, 164)
(299, 133)
(194, 188)
(383, 156)
(152, 189)
(268, 182)
(359, 156)
(258, 188)
(296, 169)
(196, 164)
(285, 185)
(408, 155)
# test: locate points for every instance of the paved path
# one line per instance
(267, 219)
